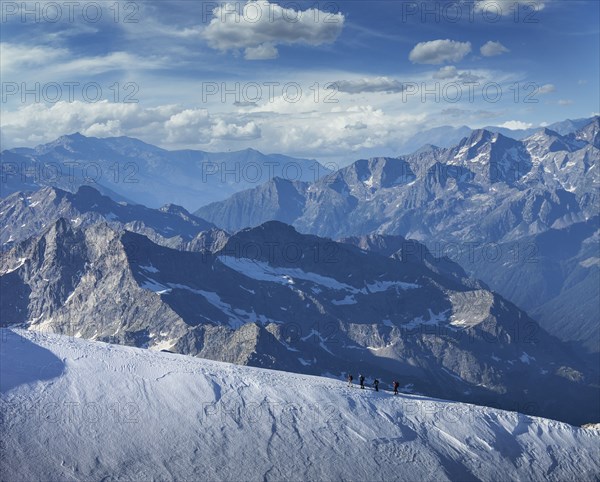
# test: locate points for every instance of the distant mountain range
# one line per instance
(484, 201)
(448, 136)
(518, 187)
(129, 169)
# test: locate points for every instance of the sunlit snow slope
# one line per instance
(80, 410)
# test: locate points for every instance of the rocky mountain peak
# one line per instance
(477, 138)
(174, 209)
(590, 133)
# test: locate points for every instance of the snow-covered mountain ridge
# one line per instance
(80, 410)
(330, 308)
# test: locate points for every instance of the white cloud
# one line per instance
(373, 84)
(491, 48)
(112, 61)
(494, 8)
(258, 26)
(439, 51)
(223, 130)
(189, 125)
(57, 63)
(172, 124)
(51, 121)
(110, 128)
(447, 72)
(450, 72)
(516, 125)
(325, 131)
(15, 56)
(198, 126)
(326, 125)
(546, 89)
(565, 102)
(261, 52)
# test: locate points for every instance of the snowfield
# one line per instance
(74, 409)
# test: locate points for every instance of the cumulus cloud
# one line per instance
(171, 124)
(447, 72)
(324, 131)
(494, 8)
(450, 72)
(110, 128)
(187, 125)
(374, 84)
(261, 52)
(223, 130)
(197, 125)
(439, 51)
(516, 125)
(491, 49)
(546, 89)
(258, 26)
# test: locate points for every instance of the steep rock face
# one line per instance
(278, 199)
(275, 298)
(411, 251)
(554, 275)
(590, 133)
(493, 157)
(79, 281)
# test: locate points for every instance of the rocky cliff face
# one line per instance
(27, 214)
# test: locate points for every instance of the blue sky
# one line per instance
(329, 80)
